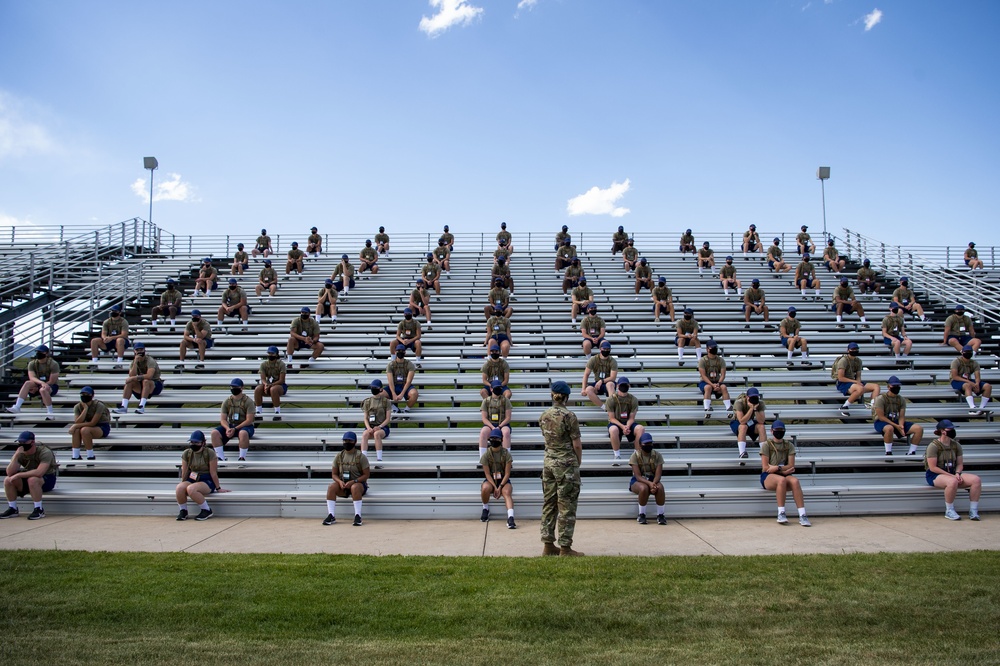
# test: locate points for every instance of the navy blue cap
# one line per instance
(495, 383)
(376, 384)
(646, 438)
(400, 346)
(305, 310)
(139, 345)
(273, 349)
(894, 381)
(26, 436)
(88, 390)
(853, 345)
(753, 392)
(623, 380)
(777, 425)
(197, 436)
(605, 344)
(496, 433)
(561, 387)
(195, 313)
(236, 383)
(349, 436)
(945, 424)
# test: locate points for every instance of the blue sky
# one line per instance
(417, 113)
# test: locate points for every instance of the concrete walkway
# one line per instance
(748, 536)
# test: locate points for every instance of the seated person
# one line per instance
(32, 470)
(197, 335)
(295, 261)
(495, 414)
(622, 407)
(420, 302)
(498, 331)
(889, 415)
(199, 477)
(272, 373)
(904, 297)
(751, 240)
(91, 420)
(630, 256)
(561, 236)
(382, 243)
(343, 275)
(113, 337)
(314, 243)
(592, 328)
(442, 256)
(803, 243)
(805, 278)
(581, 296)
(504, 239)
(502, 270)
(572, 276)
(643, 277)
(727, 278)
(208, 278)
(604, 367)
(749, 414)
(234, 302)
(376, 412)
(241, 261)
(368, 259)
(564, 255)
(400, 388)
(712, 378)
(687, 335)
(449, 239)
(966, 378)
(754, 302)
(408, 335)
(267, 280)
(304, 333)
(43, 381)
(351, 472)
(170, 305)
(431, 274)
(143, 381)
(959, 331)
(831, 257)
(502, 251)
(619, 239)
(662, 299)
(235, 421)
(775, 262)
(706, 259)
(971, 258)
(777, 458)
(496, 463)
(868, 279)
(499, 294)
(944, 468)
(687, 243)
(790, 338)
(326, 303)
(844, 302)
(495, 369)
(847, 372)
(647, 467)
(894, 332)
(262, 245)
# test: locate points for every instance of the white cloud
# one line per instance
(450, 12)
(596, 201)
(19, 134)
(171, 189)
(873, 19)
(525, 4)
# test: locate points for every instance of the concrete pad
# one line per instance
(946, 534)
(375, 537)
(118, 533)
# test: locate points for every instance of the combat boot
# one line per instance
(549, 549)
(567, 551)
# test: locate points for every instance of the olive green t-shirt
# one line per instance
(267, 275)
(851, 366)
(792, 326)
(844, 293)
(43, 369)
(894, 325)
(295, 254)
(713, 367)
(583, 294)
(272, 371)
(805, 269)
(344, 269)
(743, 405)
(727, 272)
(142, 364)
(330, 294)
(399, 370)
(661, 293)
(621, 406)
(592, 325)
(601, 367)
(964, 367)
(168, 298)
(687, 325)
(368, 254)
(263, 242)
(643, 272)
(647, 463)
(193, 328)
(408, 329)
(496, 461)
(891, 405)
(113, 326)
(236, 408)
(630, 253)
(381, 238)
(947, 456)
(93, 408)
(232, 297)
(42, 454)
(199, 462)
(497, 325)
(305, 327)
(495, 407)
(958, 325)
(753, 295)
(430, 272)
(777, 451)
(375, 409)
(496, 369)
(353, 463)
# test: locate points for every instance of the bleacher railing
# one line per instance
(942, 275)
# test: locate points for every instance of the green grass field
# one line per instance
(73, 607)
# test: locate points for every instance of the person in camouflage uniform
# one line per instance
(560, 473)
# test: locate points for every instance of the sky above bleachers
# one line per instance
(413, 114)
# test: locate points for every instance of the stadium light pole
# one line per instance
(151, 164)
(823, 174)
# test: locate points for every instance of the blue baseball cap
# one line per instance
(894, 381)
(195, 313)
(752, 392)
(197, 436)
(349, 436)
(646, 438)
(623, 381)
(26, 436)
(605, 344)
(139, 345)
(407, 311)
(496, 433)
(853, 345)
(945, 424)
(496, 383)
(376, 384)
(236, 383)
(87, 389)
(273, 349)
(561, 387)
(778, 425)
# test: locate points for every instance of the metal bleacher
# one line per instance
(430, 468)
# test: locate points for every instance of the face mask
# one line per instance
(605, 353)
(86, 397)
(712, 350)
(496, 443)
(494, 354)
(791, 315)
(964, 354)
(304, 317)
(623, 388)
(894, 389)
(41, 355)
(853, 352)
(141, 352)
(688, 317)
(197, 446)
(778, 434)
(349, 446)
(951, 433)
(729, 263)
(116, 314)
(236, 390)
(647, 448)
(498, 390)
(195, 318)
(408, 317)
(376, 391)
(400, 354)
(753, 400)
(272, 358)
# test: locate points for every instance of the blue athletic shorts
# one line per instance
(604, 387)
(157, 390)
(962, 339)
(54, 389)
(621, 433)
(879, 425)
(809, 283)
(763, 476)
(844, 387)
(634, 480)
(399, 389)
(702, 385)
(888, 342)
(236, 435)
(734, 425)
(48, 483)
(930, 476)
(105, 429)
(500, 337)
(960, 387)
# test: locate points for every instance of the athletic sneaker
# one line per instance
(357, 520)
(845, 411)
(782, 519)
(120, 410)
(14, 410)
(973, 515)
(205, 514)
(140, 410)
(11, 512)
(661, 519)
(951, 514)
(803, 521)
(329, 520)
(641, 519)
(37, 514)
(485, 517)
(512, 526)
(182, 514)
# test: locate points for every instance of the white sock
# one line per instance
(727, 403)
(258, 410)
(288, 360)
(973, 506)
(357, 507)
(781, 510)
(49, 409)
(802, 511)
(173, 322)
(742, 446)
(817, 292)
(618, 455)
(739, 291)
(18, 403)
(698, 352)
(982, 402)
(142, 402)
(725, 290)
(486, 507)
(93, 359)
(789, 354)
(659, 509)
(12, 505)
(125, 402)
(76, 453)
(949, 507)
(805, 354)
(972, 401)
(277, 410)
(218, 322)
(839, 319)
(378, 456)
(243, 453)
(331, 507)
(803, 292)
(707, 403)
(203, 506)
(642, 510)
(888, 448)
(864, 320)
(219, 453)
(913, 448)
(680, 352)
(182, 507)
(510, 513)
(38, 505)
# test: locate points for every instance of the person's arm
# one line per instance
(224, 421)
(213, 470)
(631, 420)
(409, 382)
(93, 419)
(364, 476)
(506, 473)
(485, 418)
(586, 377)
(578, 449)
(150, 371)
(789, 467)
(722, 375)
(263, 379)
(506, 418)
(639, 478)
(744, 417)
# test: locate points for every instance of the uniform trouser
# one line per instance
(560, 492)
